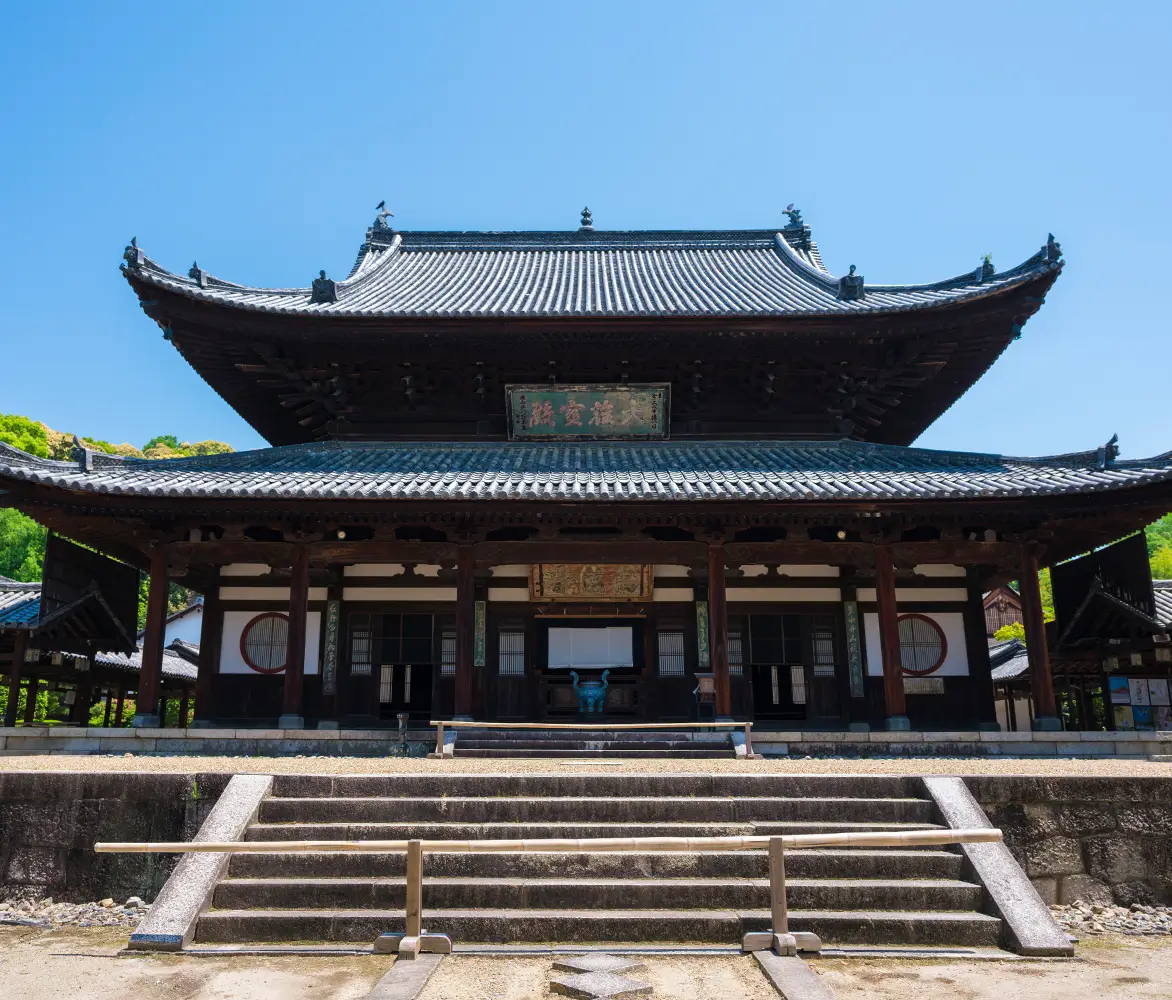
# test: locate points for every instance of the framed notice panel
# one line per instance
(593, 581)
(592, 412)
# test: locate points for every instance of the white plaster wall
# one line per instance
(231, 662)
(186, 627)
(956, 662)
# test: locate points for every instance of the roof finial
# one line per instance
(587, 222)
(198, 274)
(1107, 454)
(851, 286)
(795, 216)
(132, 255)
(324, 290)
(384, 213)
(987, 268)
(1052, 251)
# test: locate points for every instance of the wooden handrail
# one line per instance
(586, 845)
(442, 724)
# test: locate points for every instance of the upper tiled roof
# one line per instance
(20, 603)
(587, 273)
(1162, 592)
(769, 471)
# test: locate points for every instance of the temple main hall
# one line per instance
(601, 476)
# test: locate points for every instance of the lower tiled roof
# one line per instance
(770, 471)
(20, 603)
(1162, 592)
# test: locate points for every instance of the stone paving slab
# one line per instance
(598, 963)
(598, 986)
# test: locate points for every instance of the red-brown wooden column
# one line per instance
(146, 710)
(20, 643)
(291, 717)
(32, 689)
(718, 630)
(210, 631)
(1041, 682)
(894, 702)
(465, 632)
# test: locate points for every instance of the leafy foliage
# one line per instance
(22, 546)
(1014, 630)
(25, 434)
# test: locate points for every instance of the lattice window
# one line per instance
(797, 682)
(264, 643)
(922, 646)
(822, 641)
(736, 655)
(511, 653)
(448, 653)
(361, 646)
(671, 654)
(386, 683)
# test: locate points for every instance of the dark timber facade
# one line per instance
(506, 463)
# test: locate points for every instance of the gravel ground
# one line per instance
(1053, 766)
(1098, 918)
(1110, 968)
(48, 913)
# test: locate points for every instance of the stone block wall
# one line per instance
(50, 820)
(1099, 840)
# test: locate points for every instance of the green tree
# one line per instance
(1161, 563)
(22, 546)
(1159, 535)
(162, 441)
(25, 434)
(1014, 630)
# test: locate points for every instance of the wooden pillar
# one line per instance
(465, 632)
(146, 713)
(211, 628)
(291, 717)
(79, 715)
(121, 703)
(106, 714)
(183, 706)
(19, 645)
(30, 699)
(718, 630)
(893, 698)
(983, 704)
(1041, 682)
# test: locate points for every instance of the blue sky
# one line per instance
(257, 138)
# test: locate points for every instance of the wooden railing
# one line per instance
(443, 724)
(415, 849)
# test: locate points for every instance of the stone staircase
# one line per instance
(595, 744)
(848, 896)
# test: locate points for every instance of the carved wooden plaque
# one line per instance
(598, 412)
(589, 582)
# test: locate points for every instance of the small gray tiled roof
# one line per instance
(769, 471)
(174, 665)
(1162, 592)
(518, 274)
(20, 603)
(1008, 659)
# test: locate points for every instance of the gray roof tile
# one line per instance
(686, 273)
(769, 471)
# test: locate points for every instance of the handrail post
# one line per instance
(748, 738)
(414, 888)
(779, 911)
(439, 737)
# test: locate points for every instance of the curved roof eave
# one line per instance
(683, 275)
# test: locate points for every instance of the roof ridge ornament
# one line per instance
(1106, 454)
(587, 221)
(1052, 251)
(795, 217)
(384, 213)
(324, 290)
(851, 286)
(132, 255)
(82, 455)
(198, 274)
(987, 268)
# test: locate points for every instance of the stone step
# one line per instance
(611, 894)
(872, 927)
(595, 809)
(848, 864)
(588, 752)
(565, 743)
(587, 784)
(516, 831)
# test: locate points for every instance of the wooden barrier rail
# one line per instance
(443, 724)
(415, 940)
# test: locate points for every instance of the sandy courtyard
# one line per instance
(83, 964)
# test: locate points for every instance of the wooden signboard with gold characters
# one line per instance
(589, 582)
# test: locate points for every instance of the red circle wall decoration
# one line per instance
(264, 642)
(923, 647)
